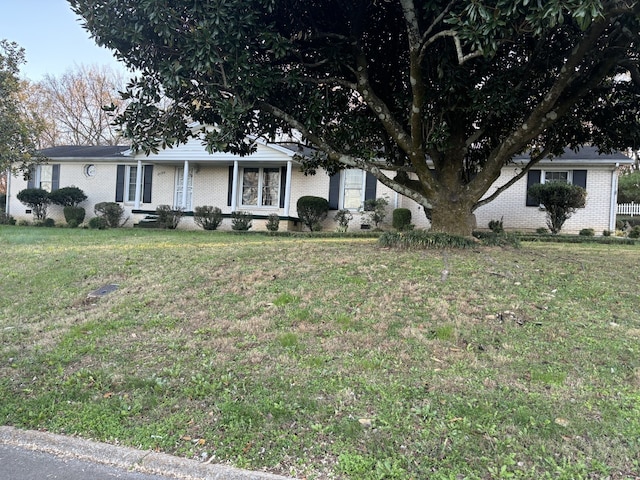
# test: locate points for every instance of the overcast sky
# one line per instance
(52, 36)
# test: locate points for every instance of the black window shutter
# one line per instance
(334, 191)
(533, 177)
(31, 181)
(55, 180)
(230, 187)
(148, 180)
(370, 185)
(283, 185)
(120, 184)
(580, 178)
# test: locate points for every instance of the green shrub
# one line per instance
(635, 232)
(541, 231)
(111, 212)
(587, 232)
(560, 201)
(629, 187)
(606, 233)
(74, 215)
(343, 217)
(623, 221)
(208, 217)
(273, 222)
(98, 223)
(6, 219)
(496, 226)
(47, 222)
(376, 209)
(401, 219)
(419, 239)
(241, 221)
(37, 199)
(3, 202)
(67, 197)
(312, 211)
(169, 217)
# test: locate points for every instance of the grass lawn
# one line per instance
(327, 358)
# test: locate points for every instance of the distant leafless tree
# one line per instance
(71, 107)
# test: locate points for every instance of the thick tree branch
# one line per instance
(345, 159)
(544, 114)
(528, 166)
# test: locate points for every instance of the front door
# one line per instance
(179, 189)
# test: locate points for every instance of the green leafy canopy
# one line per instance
(17, 134)
(441, 94)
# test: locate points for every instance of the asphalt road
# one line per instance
(31, 455)
(17, 463)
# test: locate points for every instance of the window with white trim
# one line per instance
(131, 173)
(260, 186)
(559, 176)
(352, 189)
(46, 177)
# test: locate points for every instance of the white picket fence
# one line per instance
(629, 209)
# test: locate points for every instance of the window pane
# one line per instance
(271, 186)
(250, 186)
(352, 189)
(131, 193)
(46, 177)
(556, 177)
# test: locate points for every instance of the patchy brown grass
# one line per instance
(327, 358)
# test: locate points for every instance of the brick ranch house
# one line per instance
(270, 181)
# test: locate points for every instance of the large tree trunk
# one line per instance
(453, 216)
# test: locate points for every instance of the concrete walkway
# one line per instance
(30, 455)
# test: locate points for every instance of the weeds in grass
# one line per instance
(354, 362)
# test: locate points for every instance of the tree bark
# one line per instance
(453, 214)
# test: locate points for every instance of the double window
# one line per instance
(261, 186)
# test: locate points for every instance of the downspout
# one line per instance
(614, 199)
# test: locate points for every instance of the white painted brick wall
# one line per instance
(210, 185)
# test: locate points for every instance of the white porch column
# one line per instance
(138, 185)
(287, 190)
(7, 208)
(185, 185)
(234, 187)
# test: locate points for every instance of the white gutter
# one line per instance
(614, 199)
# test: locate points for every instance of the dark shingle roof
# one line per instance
(584, 153)
(74, 151)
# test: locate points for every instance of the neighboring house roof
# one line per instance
(76, 151)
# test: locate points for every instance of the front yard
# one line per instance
(327, 358)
